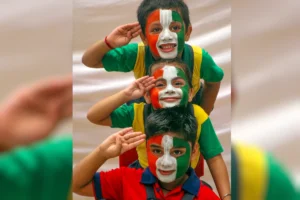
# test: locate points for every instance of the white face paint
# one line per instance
(170, 72)
(166, 162)
(167, 39)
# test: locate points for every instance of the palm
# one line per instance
(122, 35)
(139, 87)
(32, 113)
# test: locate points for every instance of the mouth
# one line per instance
(166, 173)
(167, 47)
(170, 99)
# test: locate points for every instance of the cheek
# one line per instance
(152, 40)
(154, 95)
(152, 162)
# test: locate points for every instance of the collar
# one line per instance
(191, 185)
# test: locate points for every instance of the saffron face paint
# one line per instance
(168, 157)
(165, 33)
(171, 88)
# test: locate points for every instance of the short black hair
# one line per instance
(148, 6)
(179, 120)
(179, 63)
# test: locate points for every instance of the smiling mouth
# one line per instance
(166, 173)
(167, 47)
(170, 99)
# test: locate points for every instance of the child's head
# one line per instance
(173, 85)
(165, 25)
(171, 142)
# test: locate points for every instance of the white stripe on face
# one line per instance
(170, 72)
(167, 36)
(166, 162)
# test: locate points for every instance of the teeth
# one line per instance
(167, 46)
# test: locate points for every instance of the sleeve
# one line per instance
(123, 116)
(207, 193)
(210, 71)
(41, 170)
(121, 59)
(108, 185)
(210, 145)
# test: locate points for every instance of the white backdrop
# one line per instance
(35, 42)
(94, 19)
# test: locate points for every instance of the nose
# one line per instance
(166, 35)
(170, 89)
(166, 161)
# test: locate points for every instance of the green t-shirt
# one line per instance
(40, 171)
(210, 145)
(123, 59)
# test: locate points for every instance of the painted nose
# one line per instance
(170, 89)
(166, 161)
(166, 36)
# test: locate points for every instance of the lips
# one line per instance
(170, 99)
(166, 173)
(167, 47)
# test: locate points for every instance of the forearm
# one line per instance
(209, 96)
(102, 110)
(84, 171)
(219, 173)
(94, 54)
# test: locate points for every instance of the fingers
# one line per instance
(129, 136)
(124, 131)
(136, 143)
(146, 82)
(131, 25)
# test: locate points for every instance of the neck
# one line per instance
(174, 184)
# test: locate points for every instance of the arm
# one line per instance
(211, 149)
(219, 173)
(210, 93)
(101, 111)
(212, 75)
(113, 146)
(121, 36)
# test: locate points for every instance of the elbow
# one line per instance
(92, 119)
(87, 62)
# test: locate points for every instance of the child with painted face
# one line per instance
(171, 145)
(169, 86)
(164, 26)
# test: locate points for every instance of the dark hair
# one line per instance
(148, 6)
(179, 120)
(179, 63)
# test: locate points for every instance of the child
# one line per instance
(171, 87)
(164, 27)
(171, 144)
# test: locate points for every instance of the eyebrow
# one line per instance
(155, 146)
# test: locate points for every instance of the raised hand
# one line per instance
(139, 87)
(32, 112)
(122, 35)
(121, 142)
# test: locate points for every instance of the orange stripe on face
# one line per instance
(151, 157)
(154, 92)
(152, 38)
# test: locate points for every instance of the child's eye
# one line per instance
(178, 83)
(175, 28)
(157, 151)
(177, 153)
(156, 30)
(159, 85)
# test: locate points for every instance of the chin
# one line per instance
(168, 178)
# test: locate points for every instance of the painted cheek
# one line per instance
(152, 38)
(154, 95)
(152, 158)
(152, 44)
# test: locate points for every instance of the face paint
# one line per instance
(165, 43)
(167, 93)
(165, 166)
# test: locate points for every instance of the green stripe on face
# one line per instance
(183, 162)
(185, 88)
(180, 35)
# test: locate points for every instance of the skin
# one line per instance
(171, 88)
(165, 32)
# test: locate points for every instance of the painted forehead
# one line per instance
(168, 70)
(155, 15)
(177, 141)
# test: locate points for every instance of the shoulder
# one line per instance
(199, 113)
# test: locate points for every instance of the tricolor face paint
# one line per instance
(168, 157)
(165, 33)
(171, 88)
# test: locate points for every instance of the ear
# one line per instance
(147, 97)
(144, 39)
(188, 33)
(195, 151)
(190, 94)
